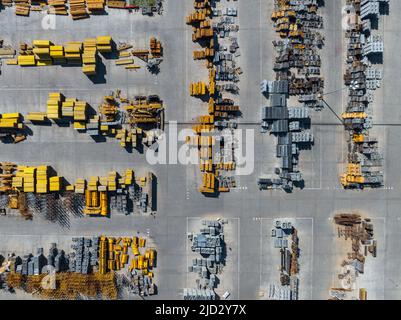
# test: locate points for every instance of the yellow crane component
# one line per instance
(354, 115)
(208, 183)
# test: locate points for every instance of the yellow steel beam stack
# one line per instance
(78, 9)
(36, 116)
(28, 178)
(95, 6)
(103, 43)
(67, 107)
(26, 60)
(197, 88)
(73, 52)
(41, 50)
(57, 54)
(55, 184)
(89, 56)
(112, 181)
(103, 255)
(41, 179)
(209, 184)
(57, 7)
(80, 115)
(80, 185)
(53, 105)
(22, 7)
(118, 4)
(11, 121)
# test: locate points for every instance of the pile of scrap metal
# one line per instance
(217, 35)
(361, 78)
(209, 243)
(282, 232)
(359, 232)
(6, 51)
(152, 56)
(297, 24)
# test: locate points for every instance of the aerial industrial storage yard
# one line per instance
(200, 149)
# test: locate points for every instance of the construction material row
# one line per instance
(286, 240)
(364, 161)
(358, 234)
(81, 9)
(86, 54)
(131, 121)
(91, 260)
(297, 67)
(209, 243)
(215, 166)
(22, 185)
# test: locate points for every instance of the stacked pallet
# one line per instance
(78, 9)
(103, 44)
(22, 7)
(57, 7)
(89, 56)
